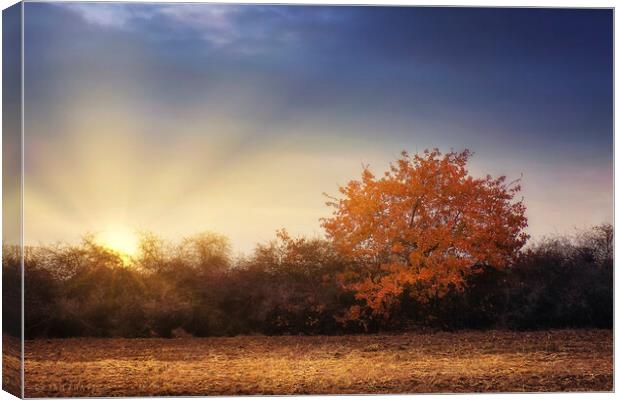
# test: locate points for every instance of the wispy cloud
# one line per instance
(108, 15)
(216, 24)
(242, 28)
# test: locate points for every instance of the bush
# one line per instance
(563, 283)
(289, 286)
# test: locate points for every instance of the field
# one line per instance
(11, 365)
(563, 360)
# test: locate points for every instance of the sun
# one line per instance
(120, 240)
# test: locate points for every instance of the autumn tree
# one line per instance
(422, 228)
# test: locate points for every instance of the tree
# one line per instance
(297, 285)
(207, 252)
(422, 228)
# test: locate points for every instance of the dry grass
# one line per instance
(574, 360)
(11, 365)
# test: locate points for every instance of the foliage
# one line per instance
(195, 286)
(423, 228)
(291, 286)
(424, 246)
(563, 282)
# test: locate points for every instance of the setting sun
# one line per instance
(121, 240)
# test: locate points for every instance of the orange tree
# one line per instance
(422, 228)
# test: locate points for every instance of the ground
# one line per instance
(495, 361)
(11, 365)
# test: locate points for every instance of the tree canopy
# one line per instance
(423, 227)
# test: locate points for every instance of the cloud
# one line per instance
(117, 16)
(246, 29)
(215, 23)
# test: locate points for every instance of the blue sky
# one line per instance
(235, 118)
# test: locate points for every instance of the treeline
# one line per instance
(291, 286)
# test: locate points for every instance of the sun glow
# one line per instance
(121, 240)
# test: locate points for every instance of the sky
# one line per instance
(182, 118)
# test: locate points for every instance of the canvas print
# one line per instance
(230, 199)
